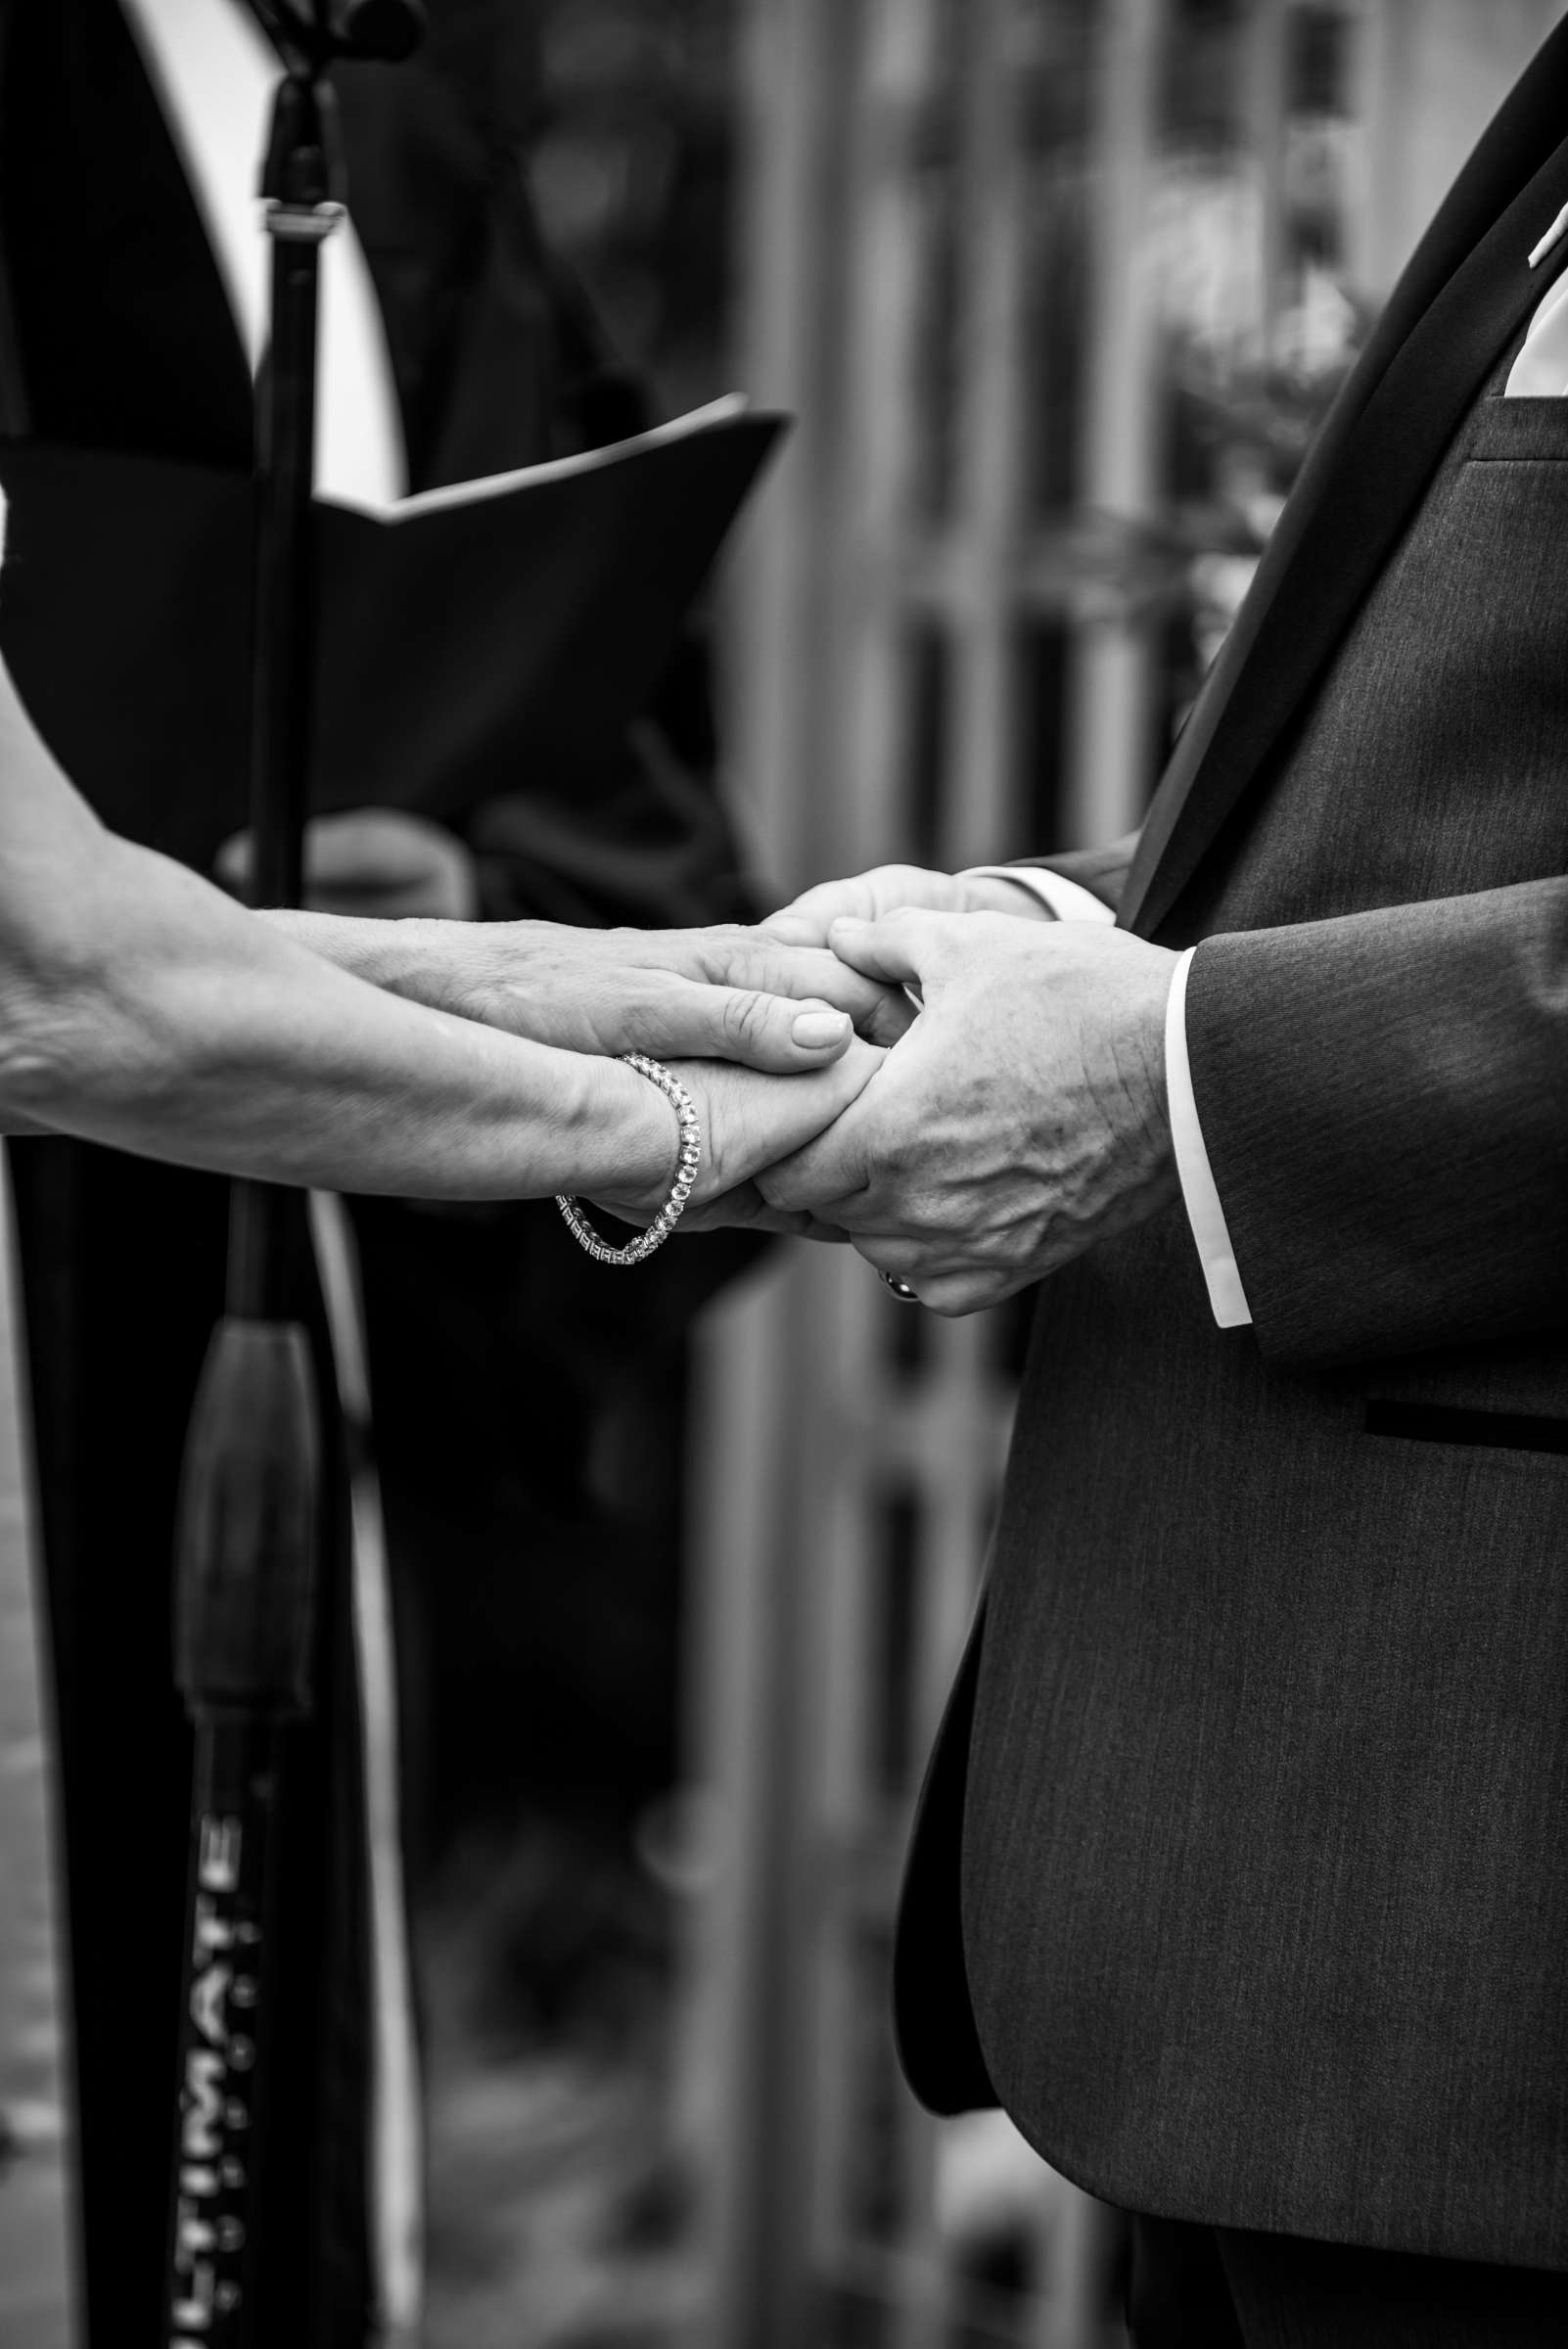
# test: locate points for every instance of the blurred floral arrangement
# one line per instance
(1250, 365)
(1254, 353)
(1249, 426)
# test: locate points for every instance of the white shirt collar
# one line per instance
(215, 74)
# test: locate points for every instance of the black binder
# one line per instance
(468, 636)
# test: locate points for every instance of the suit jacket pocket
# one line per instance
(1445, 1423)
(1519, 431)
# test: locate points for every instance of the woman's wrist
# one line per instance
(633, 1139)
(392, 956)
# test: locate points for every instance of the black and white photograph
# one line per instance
(784, 1208)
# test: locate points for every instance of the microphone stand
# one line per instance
(250, 1504)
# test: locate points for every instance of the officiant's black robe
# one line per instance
(486, 1333)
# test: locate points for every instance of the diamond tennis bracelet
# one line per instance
(663, 1224)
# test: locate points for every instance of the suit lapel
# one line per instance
(1466, 291)
(120, 330)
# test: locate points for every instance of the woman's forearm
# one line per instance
(141, 1007)
(194, 1034)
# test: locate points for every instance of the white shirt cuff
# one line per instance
(1068, 900)
(1227, 1296)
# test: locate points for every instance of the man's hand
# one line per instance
(889, 889)
(1022, 1119)
(729, 993)
(376, 861)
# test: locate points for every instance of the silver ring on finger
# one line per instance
(901, 1288)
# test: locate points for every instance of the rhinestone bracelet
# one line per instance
(669, 1216)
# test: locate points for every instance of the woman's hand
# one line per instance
(726, 993)
(141, 1008)
(749, 1123)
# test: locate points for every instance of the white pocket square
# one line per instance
(1540, 371)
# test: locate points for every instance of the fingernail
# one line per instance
(814, 1030)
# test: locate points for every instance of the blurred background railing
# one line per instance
(1058, 289)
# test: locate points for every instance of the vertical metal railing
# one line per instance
(758, 1709)
(1265, 114)
(1114, 665)
(955, 1466)
(876, 129)
(886, 235)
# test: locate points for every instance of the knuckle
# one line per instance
(747, 1018)
(718, 952)
(779, 968)
(795, 926)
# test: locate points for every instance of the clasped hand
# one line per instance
(736, 1010)
(967, 1151)
(1020, 1119)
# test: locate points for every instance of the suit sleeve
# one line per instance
(1385, 1106)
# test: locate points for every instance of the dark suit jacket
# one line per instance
(1242, 1875)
